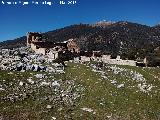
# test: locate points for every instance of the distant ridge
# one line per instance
(110, 37)
(103, 24)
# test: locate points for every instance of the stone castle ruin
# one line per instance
(40, 46)
(54, 50)
(72, 46)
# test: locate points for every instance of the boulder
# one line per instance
(19, 66)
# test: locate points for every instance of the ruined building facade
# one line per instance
(72, 46)
(40, 46)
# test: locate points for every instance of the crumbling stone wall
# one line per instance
(51, 49)
(33, 36)
(72, 46)
(38, 50)
(118, 61)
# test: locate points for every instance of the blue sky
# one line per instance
(16, 20)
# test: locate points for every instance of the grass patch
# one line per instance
(102, 98)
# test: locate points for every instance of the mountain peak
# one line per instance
(103, 23)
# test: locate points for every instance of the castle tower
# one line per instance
(33, 36)
(29, 38)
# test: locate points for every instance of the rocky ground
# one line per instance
(24, 93)
(23, 59)
(90, 91)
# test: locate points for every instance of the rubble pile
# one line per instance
(22, 59)
(130, 76)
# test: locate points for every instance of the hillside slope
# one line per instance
(120, 37)
(82, 92)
